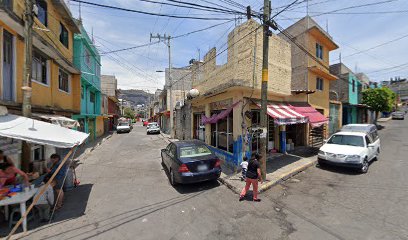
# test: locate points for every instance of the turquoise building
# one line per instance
(88, 61)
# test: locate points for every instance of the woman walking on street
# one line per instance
(253, 174)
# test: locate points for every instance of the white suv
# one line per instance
(153, 128)
(354, 149)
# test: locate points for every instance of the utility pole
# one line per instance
(27, 91)
(166, 39)
(264, 90)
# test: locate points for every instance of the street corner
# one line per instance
(235, 183)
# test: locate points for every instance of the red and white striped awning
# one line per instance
(284, 114)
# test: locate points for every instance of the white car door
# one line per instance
(371, 150)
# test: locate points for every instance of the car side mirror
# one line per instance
(371, 145)
(163, 150)
(325, 141)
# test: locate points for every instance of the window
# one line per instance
(319, 51)
(92, 97)
(319, 83)
(64, 35)
(353, 85)
(8, 4)
(63, 81)
(87, 58)
(42, 11)
(348, 140)
(38, 152)
(194, 151)
(222, 133)
(39, 69)
(367, 140)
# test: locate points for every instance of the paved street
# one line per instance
(125, 194)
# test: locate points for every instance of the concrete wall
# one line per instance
(109, 85)
(240, 62)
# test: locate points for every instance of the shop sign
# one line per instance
(224, 104)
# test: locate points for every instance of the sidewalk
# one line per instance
(384, 119)
(85, 149)
(280, 167)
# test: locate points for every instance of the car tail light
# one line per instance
(183, 168)
(217, 163)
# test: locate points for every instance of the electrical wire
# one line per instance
(146, 13)
(188, 74)
(179, 36)
(194, 6)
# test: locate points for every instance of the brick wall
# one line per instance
(240, 62)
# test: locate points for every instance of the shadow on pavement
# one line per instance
(75, 202)
(338, 169)
(100, 226)
(192, 187)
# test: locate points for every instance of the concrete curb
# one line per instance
(285, 177)
(384, 119)
(270, 184)
(88, 151)
(223, 179)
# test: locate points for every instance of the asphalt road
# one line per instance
(125, 194)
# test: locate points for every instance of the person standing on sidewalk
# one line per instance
(253, 174)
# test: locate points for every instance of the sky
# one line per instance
(372, 34)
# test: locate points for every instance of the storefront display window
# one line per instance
(222, 136)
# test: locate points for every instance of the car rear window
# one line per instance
(194, 151)
(123, 124)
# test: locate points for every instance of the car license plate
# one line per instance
(202, 168)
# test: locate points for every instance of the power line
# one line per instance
(188, 74)
(377, 46)
(147, 13)
(193, 6)
(179, 36)
(200, 30)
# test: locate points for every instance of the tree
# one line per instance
(129, 113)
(379, 99)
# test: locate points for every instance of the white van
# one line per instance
(356, 145)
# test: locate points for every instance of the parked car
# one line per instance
(354, 148)
(123, 127)
(398, 115)
(153, 128)
(190, 162)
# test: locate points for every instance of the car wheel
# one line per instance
(365, 166)
(172, 178)
(378, 155)
(321, 163)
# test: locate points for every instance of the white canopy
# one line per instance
(35, 131)
(59, 120)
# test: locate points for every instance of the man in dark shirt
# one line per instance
(59, 178)
(252, 176)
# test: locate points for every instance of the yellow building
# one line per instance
(310, 71)
(55, 81)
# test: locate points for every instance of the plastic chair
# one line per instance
(16, 210)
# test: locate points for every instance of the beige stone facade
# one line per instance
(238, 82)
(244, 48)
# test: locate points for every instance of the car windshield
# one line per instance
(123, 124)
(194, 151)
(349, 140)
(152, 125)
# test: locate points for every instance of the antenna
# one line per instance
(79, 11)
(327, 25)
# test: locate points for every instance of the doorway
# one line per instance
(8, 76)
